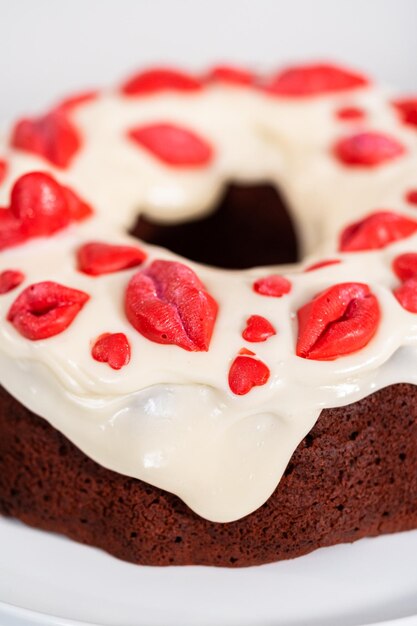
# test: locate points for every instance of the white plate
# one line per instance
(50, 581)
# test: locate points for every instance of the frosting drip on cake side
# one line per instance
(169, 417)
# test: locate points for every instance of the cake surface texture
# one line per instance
(174, 404)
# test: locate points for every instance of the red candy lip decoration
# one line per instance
(367, 149)
(339, 321)
(274, 286)
(350, 113)
(113, 349)
(39, 206)
(411, 196)
(172, 144)
(75, 100)
(405, 266)
(96, 258)
(314, 80)
(376, 231)
(407, 108)
(10, 279)
(51, 136)
(320, 264)
(406, 295)
(247, 372)
(160, 79)
(231, 75)
(258, 329)
(167, 303)
(3, 170)
(45, 309)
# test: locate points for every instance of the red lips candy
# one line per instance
(407, 110)
(45, 309)
(339, 321)
(314, 80)
(376, 231)
(10, 279)
(367, 149)
(167, 303)
(3, 170)
(160, 79)
(51, 136)
(39, 206)
(96, 258)
(172, 144)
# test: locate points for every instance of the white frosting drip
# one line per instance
(169, 417)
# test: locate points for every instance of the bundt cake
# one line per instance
(208, 315)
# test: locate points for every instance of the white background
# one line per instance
(48, 47)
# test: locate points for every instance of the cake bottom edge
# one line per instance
(353, 476)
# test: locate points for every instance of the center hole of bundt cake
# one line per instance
(250, 226)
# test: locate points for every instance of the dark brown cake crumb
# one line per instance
(354, 475)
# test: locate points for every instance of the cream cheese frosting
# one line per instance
(169, 417)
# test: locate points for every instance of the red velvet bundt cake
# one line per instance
(166, 395)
